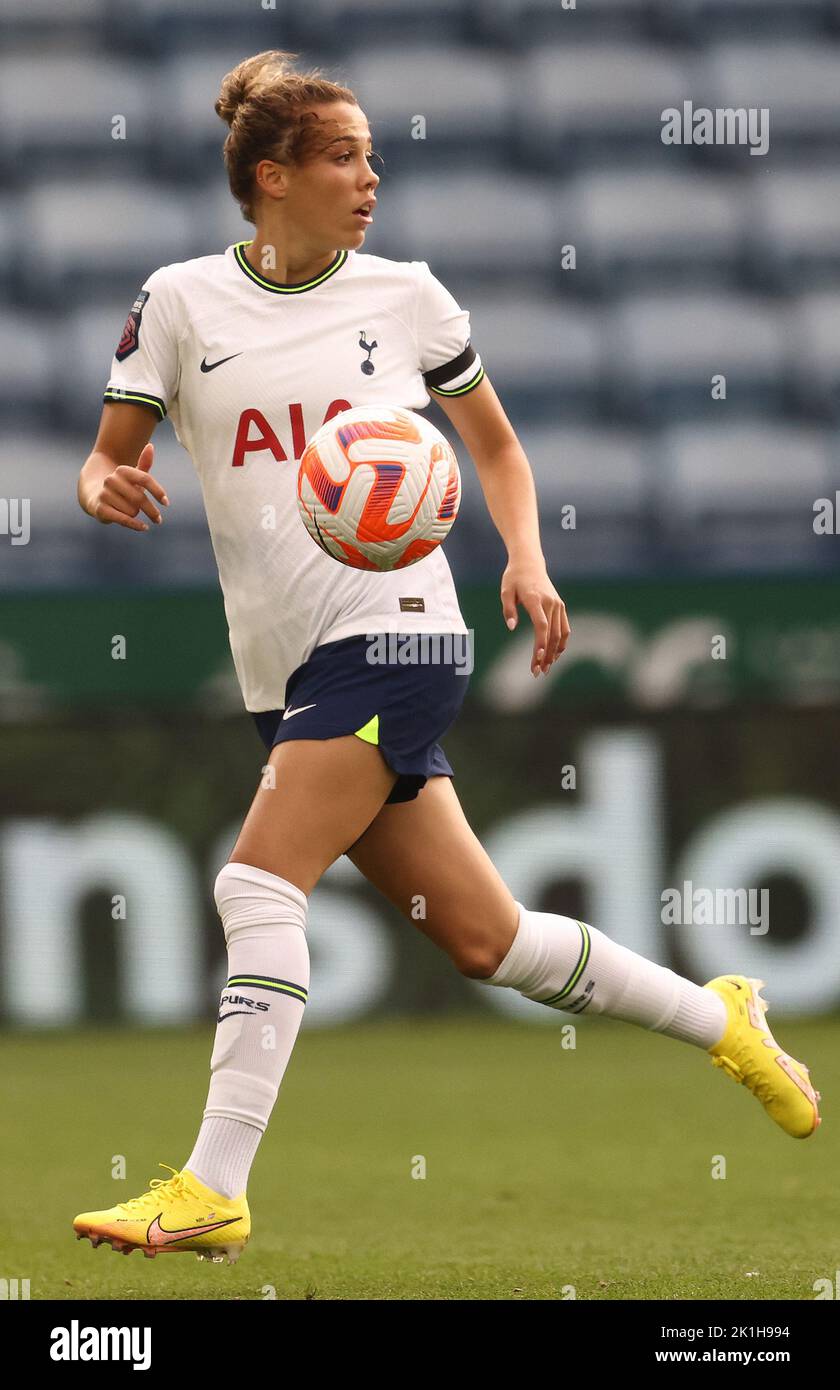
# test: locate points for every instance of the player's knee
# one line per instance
(251, 899)
(478, 960)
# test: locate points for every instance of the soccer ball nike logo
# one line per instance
(287, 714)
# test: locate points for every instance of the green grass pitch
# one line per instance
(546, 1168)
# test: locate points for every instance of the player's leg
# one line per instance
(426, 847)
(325, 793)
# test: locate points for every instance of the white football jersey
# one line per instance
(247, 371)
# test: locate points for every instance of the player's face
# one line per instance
(325, 193)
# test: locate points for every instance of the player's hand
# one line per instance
(122, 495)
(527, 582)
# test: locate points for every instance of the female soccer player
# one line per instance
(250, 352)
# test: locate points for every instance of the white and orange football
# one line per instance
(378, 487)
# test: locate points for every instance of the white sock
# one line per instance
(260, 1012)
(569, 965)
(223, 1154)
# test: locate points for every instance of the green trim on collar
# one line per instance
(239, 254)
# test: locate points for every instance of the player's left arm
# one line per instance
(509, 491)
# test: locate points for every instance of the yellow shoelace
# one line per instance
(754, 1081)
(177, 1186)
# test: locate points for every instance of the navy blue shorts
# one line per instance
(402, 707)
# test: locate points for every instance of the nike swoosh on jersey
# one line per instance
(289, 712)
(211, 366)
(156, 1235)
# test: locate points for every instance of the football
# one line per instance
(378, 487)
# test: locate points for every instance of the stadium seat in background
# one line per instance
(57, 19)
(337, 25)
(607, 476)
(470, 225)
(796, 222)
(55, 112)
(28, 379)
(159, 26)
(44, 468)
(13, 236)
(464, 95)
(576, 103)
(517, 23)
(643, 229)
(696, 20)
(542, 356)
(217, 221)
(797, 82)
(814, 336)
(189, 134)
(735, 493)
(664, 350)
(83, 240)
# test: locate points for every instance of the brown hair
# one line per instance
(264, 101)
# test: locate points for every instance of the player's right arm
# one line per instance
(116, 477)
(115, 484)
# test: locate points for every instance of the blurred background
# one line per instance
(662, 324)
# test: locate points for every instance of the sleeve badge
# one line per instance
(130, 340)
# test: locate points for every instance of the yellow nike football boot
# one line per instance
(178, 1213)
(749, 1053)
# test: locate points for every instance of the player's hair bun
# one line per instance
(268, 104)
(249, 77)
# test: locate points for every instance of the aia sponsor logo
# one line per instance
(254, 434)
